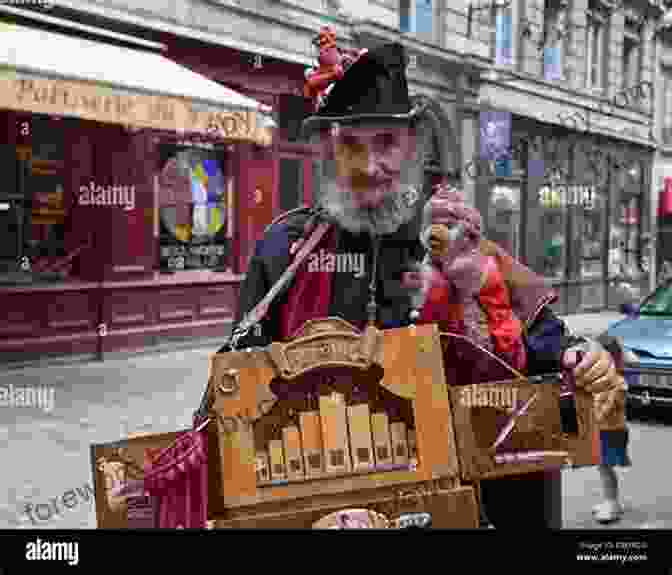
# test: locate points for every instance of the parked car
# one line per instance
(646, 334)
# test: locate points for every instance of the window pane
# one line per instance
(552, 64)
(503, 219)
(624, 249)
(193, 211)
(405, 15)
(503, 53)
(667, 111)
(595, 55)
(291, 183)
(424, 19)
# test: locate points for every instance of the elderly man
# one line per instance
(371, 196)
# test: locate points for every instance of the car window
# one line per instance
(659, 303)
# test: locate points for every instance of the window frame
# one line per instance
(555, 11)
(631, 67)
(503, 10)
(596, 24)
(168, 239)
(666, 107)
(413, 22)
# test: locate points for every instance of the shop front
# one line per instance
(572, 206)
(118, 207)
(664, 223)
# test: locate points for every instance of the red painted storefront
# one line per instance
(114, 298)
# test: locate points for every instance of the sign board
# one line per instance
(32, 93)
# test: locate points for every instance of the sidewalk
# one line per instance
(589, 325)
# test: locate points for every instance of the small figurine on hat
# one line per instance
(465, 290)
(333, 62)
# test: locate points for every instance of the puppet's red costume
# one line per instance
(466, 290)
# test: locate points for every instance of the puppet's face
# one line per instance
(375, 168)
(439, 240)
(446, 241)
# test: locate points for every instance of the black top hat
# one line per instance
(373, 88)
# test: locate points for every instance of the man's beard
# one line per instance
(397, 207)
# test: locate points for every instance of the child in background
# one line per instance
(613, 439)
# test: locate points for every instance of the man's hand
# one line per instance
(596, 373)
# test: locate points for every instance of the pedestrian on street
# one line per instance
(612, 442)
(374, 179)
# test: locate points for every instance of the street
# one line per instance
(45, 454)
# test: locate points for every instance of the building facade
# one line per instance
(169, 266)
(548, 111)
(574, 91)
(662, 179)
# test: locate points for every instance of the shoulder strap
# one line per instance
(305, 246)
(313, 234)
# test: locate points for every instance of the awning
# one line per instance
(47, 73)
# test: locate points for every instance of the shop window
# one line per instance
(36, 198)
(291, 183)
(193, 210)
(503, 220)
(548, 217)
(626, 267)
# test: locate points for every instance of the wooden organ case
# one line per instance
(496, 441)
(334, 419)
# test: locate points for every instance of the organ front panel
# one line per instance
(332, 409)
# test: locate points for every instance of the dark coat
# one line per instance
(546, 334)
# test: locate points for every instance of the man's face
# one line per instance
(376, 178)
(369, 161)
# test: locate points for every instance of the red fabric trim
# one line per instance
(178, 478)
(504, 327)
(309, 296)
